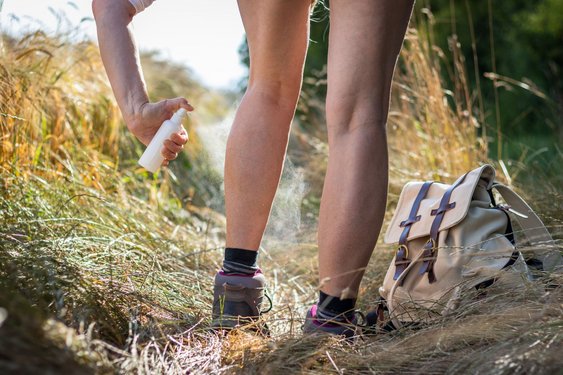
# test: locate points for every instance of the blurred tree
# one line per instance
(527, 50)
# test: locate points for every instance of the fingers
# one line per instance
(168, 154)
(180, 138)
(171, 149)
(172, 146)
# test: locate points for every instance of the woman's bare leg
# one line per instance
(277, 33)
(365, 40)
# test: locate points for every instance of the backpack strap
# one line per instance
(402, 255)
(533, 228)
(397, 283)
(430, 249)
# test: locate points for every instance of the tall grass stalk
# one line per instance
(495, 86)
(104, 269)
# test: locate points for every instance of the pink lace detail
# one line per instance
(223, 273)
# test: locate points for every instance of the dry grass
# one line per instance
(432, 128)
(104, 269)
(53, 105)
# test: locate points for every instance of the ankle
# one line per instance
(240, 261)
(333, 308)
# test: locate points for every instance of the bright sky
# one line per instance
(204, 35)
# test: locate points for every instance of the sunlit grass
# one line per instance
(104, 268)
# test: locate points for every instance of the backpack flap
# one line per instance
(457, 210)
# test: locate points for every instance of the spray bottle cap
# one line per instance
(179, 115)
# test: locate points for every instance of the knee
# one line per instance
(350, 113)
(280, 91)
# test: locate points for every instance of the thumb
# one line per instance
(172, 105)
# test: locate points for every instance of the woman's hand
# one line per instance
(149, 117)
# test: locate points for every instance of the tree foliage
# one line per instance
(527, 49)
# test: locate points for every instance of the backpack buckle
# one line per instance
(405, 247)
(429, 257)
(401, 260)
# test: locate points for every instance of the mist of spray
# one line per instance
(285, 217)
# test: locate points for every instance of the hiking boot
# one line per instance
(348, 328)
(238, 300)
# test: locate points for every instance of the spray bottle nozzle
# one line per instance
(179, 115)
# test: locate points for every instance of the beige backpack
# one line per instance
(452, 237)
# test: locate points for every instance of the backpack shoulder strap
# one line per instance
(533, 228)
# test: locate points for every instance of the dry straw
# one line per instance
(93, 279)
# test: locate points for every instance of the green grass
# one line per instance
(97, 283)
(80, 257)
(106, 269)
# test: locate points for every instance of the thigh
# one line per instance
(277, 32)
(365, 39)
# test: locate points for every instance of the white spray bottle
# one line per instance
(151, 159)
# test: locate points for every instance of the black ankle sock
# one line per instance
(240, 261)
(334, 308)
